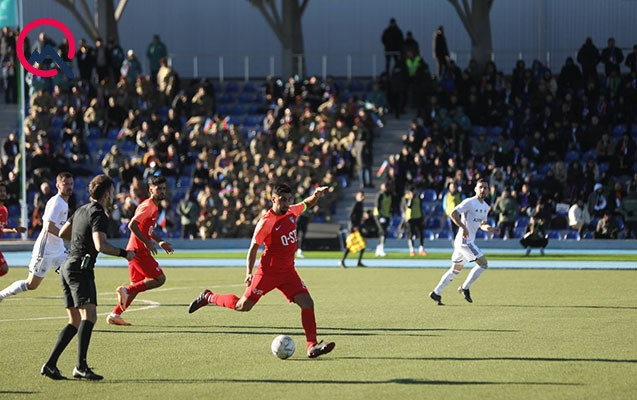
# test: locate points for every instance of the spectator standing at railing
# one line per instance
(612, 57)
(155, 52)
(440, 49)
(102, 60)
(631, 60)
(413, 218)
(588, 57)
(131, 68)
(393, 42)
(85, 58)
(8, 63)
(116, 57)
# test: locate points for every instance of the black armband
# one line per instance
(123, 253)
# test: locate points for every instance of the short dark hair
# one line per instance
(481, 180)
(63, 175)
(281, 189)
(156, 180)
(99, 185)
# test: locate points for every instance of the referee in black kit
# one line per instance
(86, 229)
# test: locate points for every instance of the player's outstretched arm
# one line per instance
(314, 198)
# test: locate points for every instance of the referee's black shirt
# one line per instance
(87, 219)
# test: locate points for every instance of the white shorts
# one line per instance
(41, 266)
(465, 252)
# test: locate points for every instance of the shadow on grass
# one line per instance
(325, 330)
(260, 332)
(533, 359)
(16, 392)
(403, 381)
(592, 307)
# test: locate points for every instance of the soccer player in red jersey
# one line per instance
(144, 270)
(5, 228)
(277, 229)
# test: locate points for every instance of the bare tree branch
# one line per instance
(120, 9)
(89, 26)
(275, 12)
(467, 9)
(87, 13)
(303, 5)
(272, 21)
(464, 18)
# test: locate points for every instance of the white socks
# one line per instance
(14, 288)
(445, 280)
(473, 275)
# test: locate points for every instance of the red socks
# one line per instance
(136, 287)
(309, 326)
(223, 300)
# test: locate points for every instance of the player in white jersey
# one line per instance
(470, 215)
(48, 251)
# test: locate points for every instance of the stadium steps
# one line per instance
(386, 142)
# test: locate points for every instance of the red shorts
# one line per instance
(288, 283)
(2, 260)
(143, 266)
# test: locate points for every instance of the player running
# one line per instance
(144, 270)
(277, 229)
(470, 215)
(48, 251)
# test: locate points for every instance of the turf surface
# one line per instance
(550, 334)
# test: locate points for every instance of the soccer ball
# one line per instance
(282, 346)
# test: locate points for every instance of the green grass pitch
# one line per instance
(530, 334)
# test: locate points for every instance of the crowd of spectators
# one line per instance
(543, 140)
(220, 168)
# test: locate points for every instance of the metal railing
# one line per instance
(350, 65)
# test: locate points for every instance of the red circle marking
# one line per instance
(34, 24)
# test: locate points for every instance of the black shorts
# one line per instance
(78, 287)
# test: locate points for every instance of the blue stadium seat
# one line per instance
(444, 235)
(517, 234)
(572, 235)
(223, 110)
(184, 182)
(572, 156)
(355, 86)
(433, 223)
(232, 87)
(113, 133)
(225, 98)
(246, 98)
(491, 221)
(255, 109)
(555, 235)
(480, 234)
(588, 235)
(13, 210)
(521, 223)
(619, 130)
(437, 211)
(94, 133)
(127, 147)
(429, 195)
(495, 131)
(237, 110)
(249, 87)
(171, 182)
(425, 209)
(428, 235)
